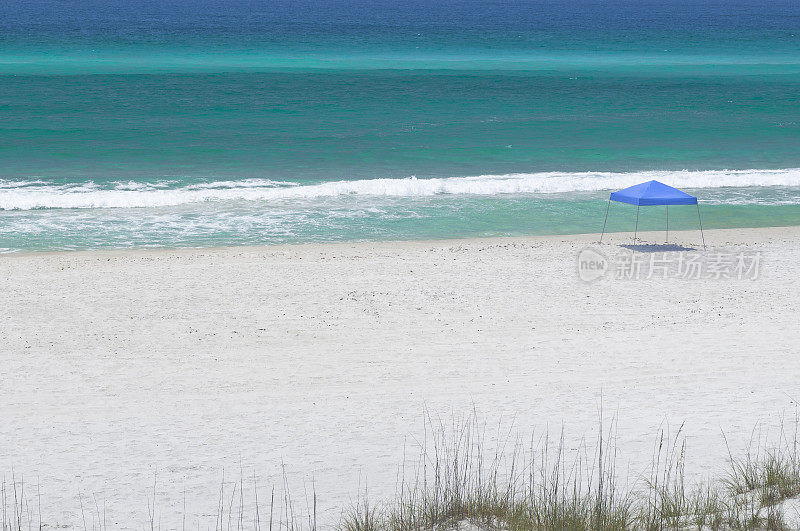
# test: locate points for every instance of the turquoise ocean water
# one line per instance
(200, 123)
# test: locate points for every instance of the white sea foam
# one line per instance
(38, 194)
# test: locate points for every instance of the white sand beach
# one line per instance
(125, 368)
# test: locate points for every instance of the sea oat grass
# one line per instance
(459, 481)
(544, 488)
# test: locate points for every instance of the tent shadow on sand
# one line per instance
(657, 247)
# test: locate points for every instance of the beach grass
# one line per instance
(541, 486)
(467, 479)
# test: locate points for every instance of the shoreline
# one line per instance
(727, 236)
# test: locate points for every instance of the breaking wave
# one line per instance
(42, 194)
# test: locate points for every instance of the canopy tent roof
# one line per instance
(653, 193)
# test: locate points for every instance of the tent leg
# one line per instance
(701, 226)
(636, 230)
(604, 221)
(667, 240)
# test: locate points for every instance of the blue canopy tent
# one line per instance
(653, 193)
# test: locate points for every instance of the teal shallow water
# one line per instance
(343, 220)
(344, 125)
(225, 123)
